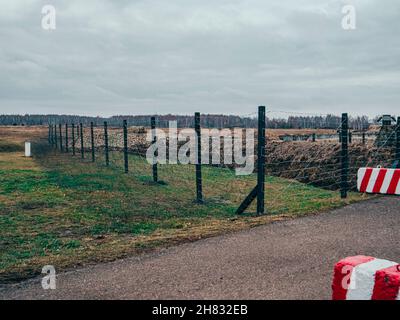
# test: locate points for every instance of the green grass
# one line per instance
(66, 212)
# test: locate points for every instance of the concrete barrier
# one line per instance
(366, 278)
(379, 180)
(28, 149)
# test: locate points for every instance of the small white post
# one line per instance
(27, 149)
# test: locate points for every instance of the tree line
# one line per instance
(184, 121)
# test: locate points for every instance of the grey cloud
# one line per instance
(181, 56)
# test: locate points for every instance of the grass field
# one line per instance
(59, 210)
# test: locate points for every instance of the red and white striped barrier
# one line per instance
(378, 180)
(366, 278)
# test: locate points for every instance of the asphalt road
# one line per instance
(284, 260)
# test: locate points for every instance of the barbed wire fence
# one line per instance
(324, 158)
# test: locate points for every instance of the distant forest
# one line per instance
(208, 120)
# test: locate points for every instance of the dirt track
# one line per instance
(284, 260)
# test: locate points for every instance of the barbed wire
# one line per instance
(316, 172)
(318, 154)
(299, 113)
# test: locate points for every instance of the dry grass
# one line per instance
(274, 134)
(17, 134)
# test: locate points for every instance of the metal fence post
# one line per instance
(154, 140)
(350, 137)
(106, 144)
(49, 136)
(92, 141)
(363, 138)
(344, 156)
(199, 184)
(125, 126)
(52, 135)
(259, 190)
(313, 137)
(66, 139)
(73, 139)
(261, 161)
(61, 139)
(81, 136)
(55, 141)
(55, 136)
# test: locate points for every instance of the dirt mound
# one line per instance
(319, 163)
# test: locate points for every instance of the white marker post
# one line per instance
(27, 149)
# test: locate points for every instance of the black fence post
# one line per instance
(125, 126)
(259, 190)
(199, 184)
(247, 201)
(350, 137)
(61, 139)
(55, 141)
(313, 137)
(66, 138)
(92, 141)
(261, 161)
(154, 140)
(49, 136)
(344, 156)
(73, 139)
(52, 135)
(106, 144)
(81, 136)
(55, 136)
(363, 138)
(398, 143)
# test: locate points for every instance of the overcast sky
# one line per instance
(214, 56)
